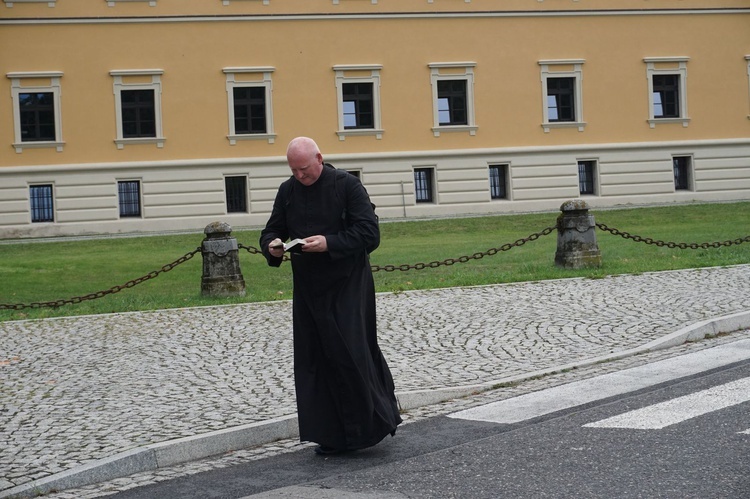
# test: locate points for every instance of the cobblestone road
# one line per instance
(75, 390)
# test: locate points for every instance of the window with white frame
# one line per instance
(36, 109)
(587, 177)
(129, 198)
(747, 58)
(111, 3)
(499, 181)
(227, 2)
(562, 93)
(683, 173)
(138, 106)
(358, 98)
(249, 94)
(453, 97)
(50, 3)
(424, 185)
(667, 90)
(41, 200)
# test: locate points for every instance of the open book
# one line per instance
(294, 246)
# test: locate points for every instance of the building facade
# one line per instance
(120, 116)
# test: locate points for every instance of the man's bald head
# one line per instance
(305, 160)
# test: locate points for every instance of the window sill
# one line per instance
(659, 121)
(159, 141)
(564, 124)
(270, 137)
(472, 129)
(360, 132)
(20, 146)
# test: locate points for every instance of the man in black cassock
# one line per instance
(345, 391)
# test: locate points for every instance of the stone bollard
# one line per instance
(221, 264)
(576, 237)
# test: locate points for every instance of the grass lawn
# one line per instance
(52, 270)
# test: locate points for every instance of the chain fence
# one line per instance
(100, 294)
(375, 268)
(648, 240)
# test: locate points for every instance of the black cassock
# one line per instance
(345, 391)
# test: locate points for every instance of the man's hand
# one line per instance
(276, 248)
(315, 244)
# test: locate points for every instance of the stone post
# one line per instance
(576, 237)
(221, 264)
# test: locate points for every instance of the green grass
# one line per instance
(53, 270)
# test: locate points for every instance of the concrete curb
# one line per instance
(182, 450)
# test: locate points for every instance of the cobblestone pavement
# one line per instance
(75, 390)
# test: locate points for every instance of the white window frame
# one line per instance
(227, 2)
(111, 3)
(554, 69)
(50, 3)
(656, 66)
(747, 58)
(451, 71)
(264, 72)
(357, 73)
(120, 83)
(17, 88)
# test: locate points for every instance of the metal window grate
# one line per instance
(586, 172)
(423, 185)
(129, 194)
(42, 206)
(498, 181)
(236, 192)
(681, 172)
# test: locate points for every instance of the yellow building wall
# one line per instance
(191, 41)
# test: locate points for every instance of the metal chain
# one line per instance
(648, 240)
(464, 259)
(255, 251)
(100, 294)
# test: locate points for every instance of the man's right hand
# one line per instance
(276, 248)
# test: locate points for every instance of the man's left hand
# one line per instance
(315, 244)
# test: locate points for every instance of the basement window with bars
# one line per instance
(42, 203)
(499, 181)
(236, 194)
(129, 198)
(587, 177)
(423, 185)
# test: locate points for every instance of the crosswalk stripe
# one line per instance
(535, 404)
(746, 432)
(674, 411)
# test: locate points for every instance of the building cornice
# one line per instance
(379, 15)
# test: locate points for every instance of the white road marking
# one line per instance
(657, 416)
(555, 399)
(746, 432)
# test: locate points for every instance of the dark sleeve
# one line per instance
(276, 225)
(361, 231)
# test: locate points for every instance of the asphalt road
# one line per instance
(679, 428)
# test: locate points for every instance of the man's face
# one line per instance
(306, 169)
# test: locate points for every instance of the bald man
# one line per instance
(345, 391)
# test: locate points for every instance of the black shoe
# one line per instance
(322, 450)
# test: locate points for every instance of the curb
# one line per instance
(182, 450)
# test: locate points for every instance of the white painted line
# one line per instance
(582, 392)
(746, 432)
(670, 412)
